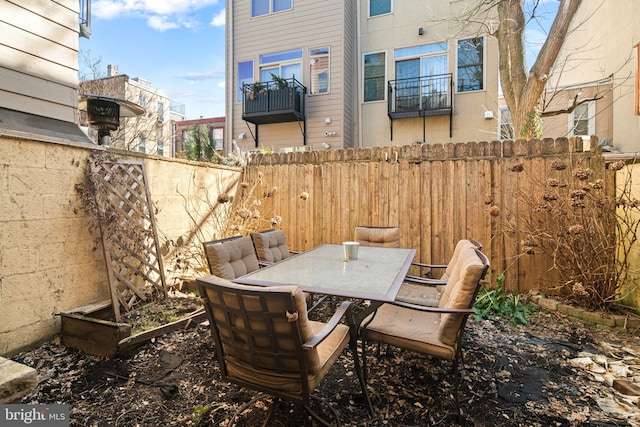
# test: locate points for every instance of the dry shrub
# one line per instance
(587, 232)
(219, 213)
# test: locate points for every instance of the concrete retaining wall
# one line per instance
(50, 258)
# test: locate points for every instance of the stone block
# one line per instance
(599, 318)
(16, 380)
(570, 310)
(548, 304)
(627, 322)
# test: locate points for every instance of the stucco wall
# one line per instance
(632, 172)
(50, 260)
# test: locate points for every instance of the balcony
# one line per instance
(277, 101)
(420, 97)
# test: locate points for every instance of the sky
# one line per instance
(176, 45)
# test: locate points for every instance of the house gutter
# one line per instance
(229, 61)
(358, 66)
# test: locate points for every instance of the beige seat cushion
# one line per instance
(428, 332)
(387, 237)
(270, 246)
(328, 352)
(427, 295)
(232, 259)
(409, 329)
(460, 291)
(415, 293)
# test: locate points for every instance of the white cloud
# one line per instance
(110, 8)
(161, 23)
(221, 84)
(161, 15)
(207, 75)
(219, 19)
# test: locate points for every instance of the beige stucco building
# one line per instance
(598, 70)
(150, 133)
(359, 73)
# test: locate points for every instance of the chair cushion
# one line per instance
(460, 292)
(233, 258)
(328, 350)
(270, 246)
(462, 244)
(414, 293)
(411, 330)
(387, 237)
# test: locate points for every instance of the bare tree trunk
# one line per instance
(522, 93)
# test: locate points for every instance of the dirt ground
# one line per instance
(539, 375)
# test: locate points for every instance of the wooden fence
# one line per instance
(437, 194)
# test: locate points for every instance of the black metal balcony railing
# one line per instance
(420, 96)
(273, 102)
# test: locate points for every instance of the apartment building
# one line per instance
(353, 73)
(150, 133)
(214, 126)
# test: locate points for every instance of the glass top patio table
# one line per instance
(376, 275)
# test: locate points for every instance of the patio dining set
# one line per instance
(260, 299)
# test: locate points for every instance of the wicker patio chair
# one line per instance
(231, 257)
(271, 246)
(265, 341)
(434, 331)
(415, 289)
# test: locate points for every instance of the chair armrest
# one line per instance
(264, 264)
(450, 310)
(329, 327)
(421, 264)
(425, 281)
(426, 269)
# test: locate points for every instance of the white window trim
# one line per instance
(484, 66)
(377, 16)
(591, 125)
(386, 77)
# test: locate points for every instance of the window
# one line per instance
(286, 64)
(379, 7)
(160, 111)
(470, 64)
(85, 18)
(319, 70)
(217, 136)
(424, 61)
(142, 144)
(506, 125)
(265, 7)
(160, 146)
(374, 77)
(582, 120)
(142, 101)
(245, 75)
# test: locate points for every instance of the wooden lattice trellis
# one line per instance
(129, 233)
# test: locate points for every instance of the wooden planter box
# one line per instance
(90, 329)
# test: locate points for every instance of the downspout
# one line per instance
(358, 73)
(229, 60)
